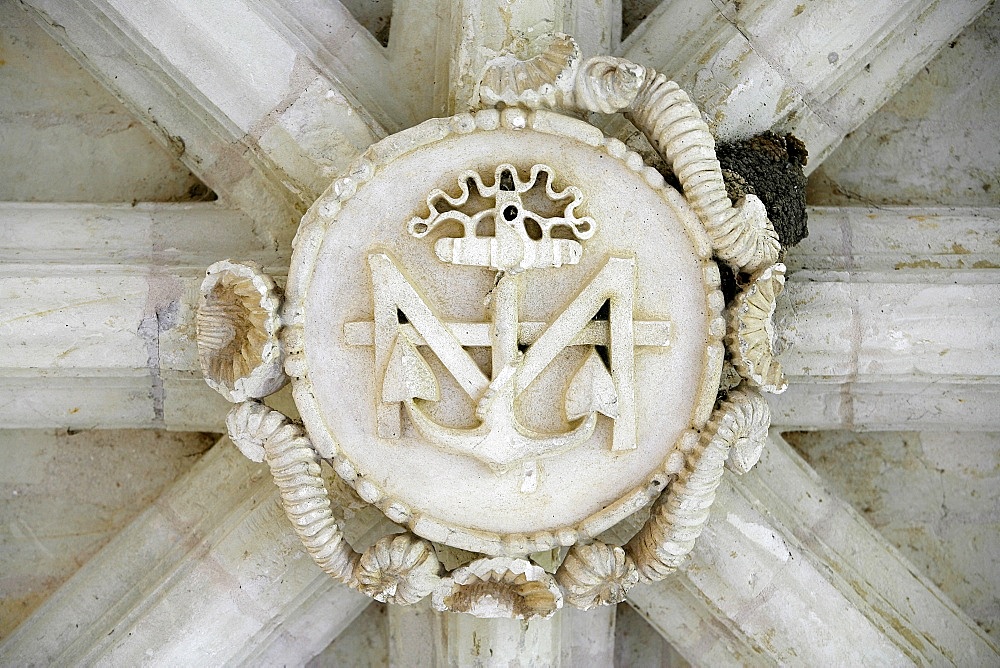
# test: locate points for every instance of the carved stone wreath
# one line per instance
(506, 331)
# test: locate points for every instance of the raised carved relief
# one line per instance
(499, 587)
(541, 79)
(742, 236)
(399, 569)
(255, 428)
(238, 322)
(596, 574)
(505, 331)
(751, 336)
(522, 240)
(739, 422)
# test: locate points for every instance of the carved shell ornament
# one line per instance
(596, 574)
(499, 587)
(238, 321)
(484, 359)
(750, 338)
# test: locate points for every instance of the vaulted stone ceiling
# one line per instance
(201, 130)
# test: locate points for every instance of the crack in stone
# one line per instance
(162, 307)
(149, 331)
(774, 66)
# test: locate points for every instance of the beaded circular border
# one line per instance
(308, 241)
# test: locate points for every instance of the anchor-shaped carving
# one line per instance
(501, 439)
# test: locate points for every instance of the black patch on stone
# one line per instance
(728, 283)
(770, 167)
(671, 179)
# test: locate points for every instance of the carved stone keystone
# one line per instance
(505, 331)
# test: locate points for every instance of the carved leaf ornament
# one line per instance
(506, 332)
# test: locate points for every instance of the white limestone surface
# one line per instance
(439, 350)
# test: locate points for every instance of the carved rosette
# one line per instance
(524, 220)
(751, 335)
(499, 587)
(237, 331)
(400, 569)
(450, 202)
(596, 574)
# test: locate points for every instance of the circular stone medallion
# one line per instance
(499, 325)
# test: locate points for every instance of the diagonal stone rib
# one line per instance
(210, 573)
(253, 118)
(792, 572)
(308, 626)
(889, 306)
(818, 69)
(693, 625)
(346, 53)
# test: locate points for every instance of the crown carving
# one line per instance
(531, 225)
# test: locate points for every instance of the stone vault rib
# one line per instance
(773, 587)
(857, 318)
(210, 572)
(815, 69)
(253, 119)
(806, 581)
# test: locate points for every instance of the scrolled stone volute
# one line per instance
(739, 424)
(596, 574)
(742, 236)
(606, 84)
(398, 568)
(742, 427)
(260, 431)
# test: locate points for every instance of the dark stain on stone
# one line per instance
(177, 144)
(729, 285)
(770, 167)
(199, 192)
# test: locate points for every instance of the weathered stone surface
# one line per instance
(465, 448)
(926, 492)
(770, 167)
(815, 69)
(51, 103)
(842, 279)
(64, 495)
(932, 144)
